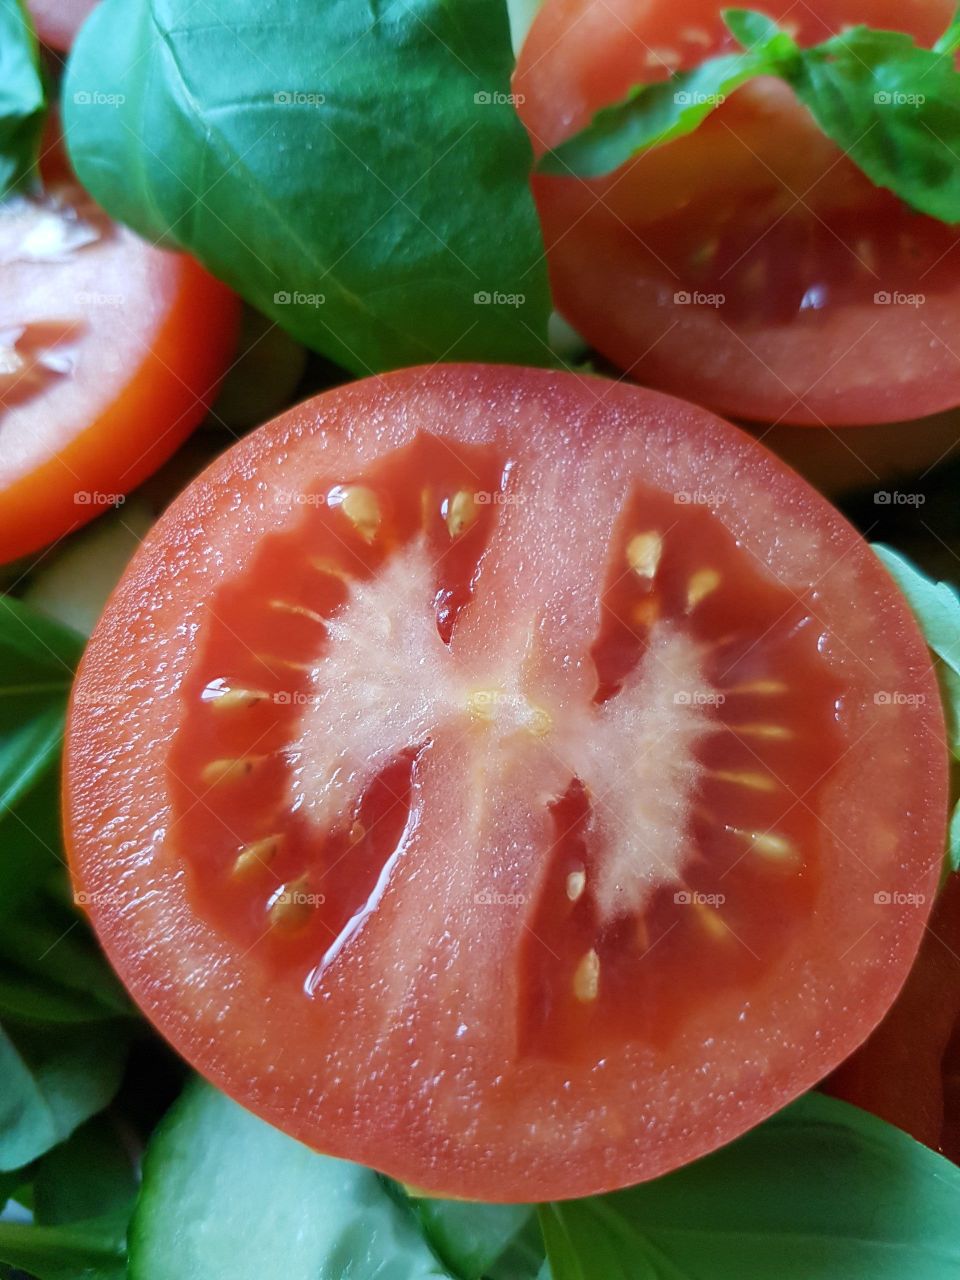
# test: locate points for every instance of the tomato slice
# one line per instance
(489, 802)
(58, 21)
(110, 352)
(749, 266)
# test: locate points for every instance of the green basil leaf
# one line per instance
(86, 1177)
(357, 172)
(820, 1191)
(653, 114)
(90, 1250)
(227, 1197)
(949, 42)
(936, 606)
(21, 96)
(893, 107)
(37, 659)
(53, 1080)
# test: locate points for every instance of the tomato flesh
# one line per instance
(58, 21)
(110, 352)
(749, 266)
(491, 804)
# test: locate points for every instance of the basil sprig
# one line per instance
(891, 105)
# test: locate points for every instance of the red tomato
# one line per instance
(743, 266)
(904, 1073)
(488, 801)
(58, 21)
(110, 352)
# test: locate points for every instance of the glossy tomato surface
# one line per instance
(58, 21)
(749, 266)
(497, 777)
(110, 352)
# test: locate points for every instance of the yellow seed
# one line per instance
(700, 586)
(361, 507)
(746, 778)
(759, 686)
(586, 978)
(643, 553)
(646, 612)
(330, 568)
(258, 854)
(461, 512)
(300, 610)
(291, 906)
(356, 833)
(482, 702)
(231, 699)
(770, 845)
(711, 920)
(576, 883)
(777, 731)
(229, 770)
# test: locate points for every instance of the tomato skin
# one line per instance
(58, 21)
(798, 336)
(161, 396)
(898, 1073)
(454, 1124)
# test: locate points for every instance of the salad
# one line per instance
(479, 640)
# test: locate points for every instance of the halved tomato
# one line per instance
(58, 21)
(110, 352)
(749, 266)
(519, 782)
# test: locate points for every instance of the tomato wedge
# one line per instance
(110, 352)
(486, 800)
(749, 266)
(58, 21)
(905, 1072)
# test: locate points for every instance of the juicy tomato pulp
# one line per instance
(110, 352)
(908, 1072)
(58, 21)
(750, 266)
(491, 802)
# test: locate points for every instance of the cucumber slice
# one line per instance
(73, 585)
(227, 1197)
